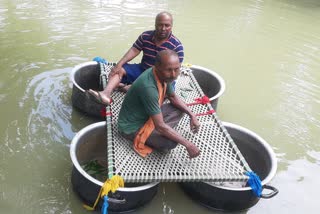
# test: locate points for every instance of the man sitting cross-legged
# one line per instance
(145, 121)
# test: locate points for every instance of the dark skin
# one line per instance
(163, 28)
(167, 71)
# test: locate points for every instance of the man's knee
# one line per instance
(164, 146)
(123, 71)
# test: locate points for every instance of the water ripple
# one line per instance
(51, 111)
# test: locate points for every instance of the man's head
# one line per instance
(167, 65)
(163, 25)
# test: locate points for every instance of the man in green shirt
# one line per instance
(143, 105)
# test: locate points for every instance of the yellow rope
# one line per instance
(112, 185)
(188, 65)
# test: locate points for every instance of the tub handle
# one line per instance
(271, 194)
(116, 201)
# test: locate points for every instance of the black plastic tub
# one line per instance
(211, 83)
(87, 75)
(90, 144)
(261, 159)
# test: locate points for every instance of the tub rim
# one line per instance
(73, 147)
(76, 68)
(211, 72)
(215, 74)
(274, 163)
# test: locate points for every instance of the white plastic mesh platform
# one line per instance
(219, 161)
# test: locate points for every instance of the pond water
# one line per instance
(266, 51)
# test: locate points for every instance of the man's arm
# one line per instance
(178, 103)
(131, 54)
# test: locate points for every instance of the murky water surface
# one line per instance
(266, 51)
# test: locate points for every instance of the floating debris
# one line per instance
(95, 169)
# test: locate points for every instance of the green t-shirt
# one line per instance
(140, 102)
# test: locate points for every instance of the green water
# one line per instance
(266, 51)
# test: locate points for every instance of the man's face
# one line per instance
(169, 69)
(163, 26)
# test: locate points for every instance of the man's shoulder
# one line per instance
(175, 39)
(146, 78)
(148, 33)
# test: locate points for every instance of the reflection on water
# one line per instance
(50, 90)
(301, 177)
(267, 52)
(34, 141)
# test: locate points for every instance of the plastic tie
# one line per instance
(206, 113)
(201, 100)
(187, 65)
(112, 185)
(100, 60)
(104, 113)
(255, 183)
(104, 209)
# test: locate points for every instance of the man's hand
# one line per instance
(193, 150)
(194, 124)
(115, 71)
(131, 54)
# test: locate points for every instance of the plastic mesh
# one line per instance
(219, 161)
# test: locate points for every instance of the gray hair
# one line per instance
(161, 54)
(164, 13)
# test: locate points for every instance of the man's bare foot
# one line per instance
(100, 97)
(193, 151)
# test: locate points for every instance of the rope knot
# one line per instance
(104, 112)
(206, 113)
(203, 100)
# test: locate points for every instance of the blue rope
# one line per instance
(100, 59)
(104, 209)
(255, 183)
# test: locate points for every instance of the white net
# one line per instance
(219, 161)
